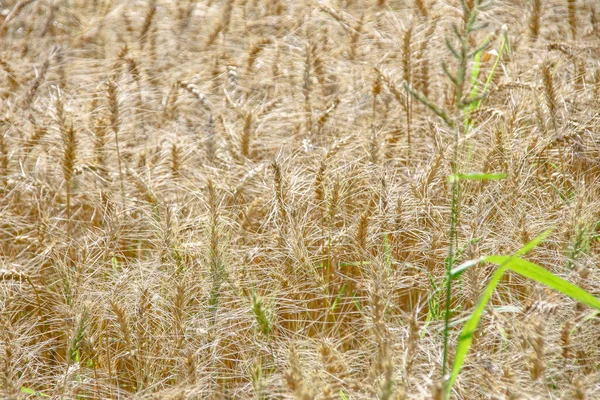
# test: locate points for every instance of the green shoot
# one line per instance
(524, 268)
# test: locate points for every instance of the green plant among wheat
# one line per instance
(470, 95)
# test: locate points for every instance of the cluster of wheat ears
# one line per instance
(299, 199)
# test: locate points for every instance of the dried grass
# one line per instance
(238, 199)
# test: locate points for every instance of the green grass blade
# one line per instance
(457, 271)
(466, 336)
(539, 239)
(476, 176)
(338, 298)
(543, 276)
(475, 74)
(527, 269)
(30, 391)
(503, 46)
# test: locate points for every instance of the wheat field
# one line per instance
(250, 199)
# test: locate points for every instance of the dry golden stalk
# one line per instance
(307, 87)
(399, 95)
(594, 21)
(147, 23)
(255, 50)
(119, 62)
(115, 125)
(210, 140)
(68, 162)
(319, 189)
(572, 16)
(175, 161)
(8, 376)
(4, 159)
(214, 34)
(355, 34)
(534, 19)
(407, 76)
(195, 91)
(538, 363)
(122, 322)
(142, 336)
(362, 230)
(334, 369)
(422, 7)
(185, 16)
(294, 379)
(246, 137)
(170, 104)
(226, 15)
(134, 71)
(68, 139)
(578, 391)
(580, 74)
(49, 24)
(407, 54)
(36, 137)
(13, 82)
(549, 89)
(178, 311)
(412, 343)
(145, 191)
(191, 371)
(13, 14)
(421, 75)
(35, 84)
(100, 139)
(565, 340)
(318, 66)
(329, 109)
(376, 91)
(334, 199)
(280, 194)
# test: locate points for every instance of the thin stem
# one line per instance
(116, 131)
(451, 249)
(408, 126)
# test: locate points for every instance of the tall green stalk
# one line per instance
(467, 99)
(454, 204)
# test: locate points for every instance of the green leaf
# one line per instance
(542, 275)
(27, 390)
(476, 68)
(476, 176)
(475, 73)
(539, 239)
(356, 302)
(338, 297)
(524, 268)
(432, 106)
(503, 46)
(457, 271)
(115, 263)
(466, 335)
